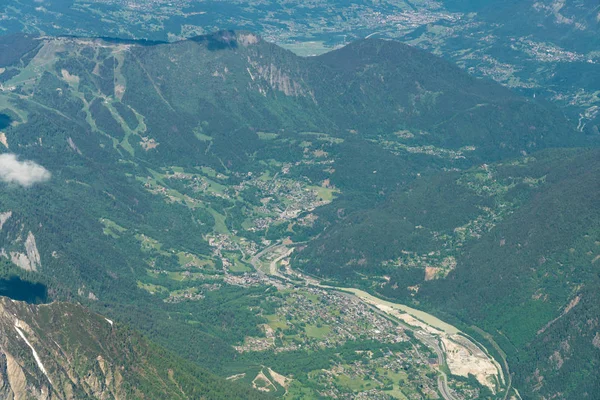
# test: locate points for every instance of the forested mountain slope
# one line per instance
(382, 87)
(510, 247)
(533, 280)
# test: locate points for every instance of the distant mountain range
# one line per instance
(543, 48)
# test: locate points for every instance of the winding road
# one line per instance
(424, 337)
(442, 377)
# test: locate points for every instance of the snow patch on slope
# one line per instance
(18, 327)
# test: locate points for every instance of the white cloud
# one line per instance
(24, 173)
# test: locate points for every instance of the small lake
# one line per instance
(5, 121)
(21, 290)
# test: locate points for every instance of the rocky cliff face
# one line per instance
(56, 351)
(18, 244)
(63, 351)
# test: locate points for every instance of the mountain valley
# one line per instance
(212, 193)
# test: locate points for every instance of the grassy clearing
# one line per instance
(248, 223)
(220, 226)
(263, 265)
(267, 135)
(191, 260)
(323, 137)
(354, 384)
(396, 393)
(312, 297)
(183, 292)
(275, 321)
(5, 103)
(297, 391)
(238, 266)
(128, 132)
(111, 228)
(150, 245)
(271, 163)
(178, 276)
(151, 288)
(215, 187)
(158, 177)
(127, 146)
(211, 173)
(156, 185)
(324, 194)
(316, 332)
(202, 137)
(266, 176)
(398, 379)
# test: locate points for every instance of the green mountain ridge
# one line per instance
(543, 48)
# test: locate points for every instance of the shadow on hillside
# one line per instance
(222, 40)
